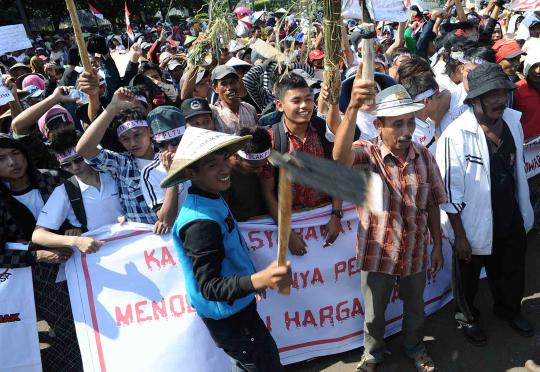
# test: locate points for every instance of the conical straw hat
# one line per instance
(196, 143)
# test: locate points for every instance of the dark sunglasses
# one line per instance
(172, 142)
(69, 164)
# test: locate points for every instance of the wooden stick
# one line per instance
(284, 221)
(79, 36)
(368, 46)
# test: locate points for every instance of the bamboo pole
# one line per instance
(368, 46)
(284, 221)
(79, 36)
(332, 51)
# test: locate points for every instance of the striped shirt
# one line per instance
(396, 241)
(231, 123)
(125, 171)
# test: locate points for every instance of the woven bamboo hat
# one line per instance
(197, 143)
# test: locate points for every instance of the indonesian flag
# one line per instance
(524, 5)
(128, 24)
(95, 12)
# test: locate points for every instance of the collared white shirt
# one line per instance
(102, 206)
(463, 157)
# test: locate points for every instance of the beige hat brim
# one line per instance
(176, 176)
(400, 110)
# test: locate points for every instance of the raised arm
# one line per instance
(87, 147)
(362, 90)
(23, 123)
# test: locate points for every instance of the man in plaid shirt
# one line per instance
(134, 134)
(392, 247)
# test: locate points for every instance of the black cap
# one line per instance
(222, 71)
(485, 78)
(195, 106)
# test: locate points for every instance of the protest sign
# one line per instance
(5, 94)
(385, 10)
(131, 311)
(19, 350)
(13, 38)
(523, 5)
(121, 60)
(531, 152)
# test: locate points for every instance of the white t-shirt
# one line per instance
(32, 200)
(102, 206)
(141, 163)
(424, 134)
(457, 107)
(154, 194)
(364, 122)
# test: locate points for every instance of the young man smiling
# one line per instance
(298, 131)
(392, 247)
(230, 113)
(220, 278)
(134, 134)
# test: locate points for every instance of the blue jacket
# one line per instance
(236, 260)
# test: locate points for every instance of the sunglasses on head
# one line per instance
(172, 142)
(69, 164)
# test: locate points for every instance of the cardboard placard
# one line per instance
(13, 38)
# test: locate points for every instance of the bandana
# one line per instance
(422, 96)
(58, 118)
(399, 56)
(254, 156)
(68, 154)
(130, 125)
(173, 133)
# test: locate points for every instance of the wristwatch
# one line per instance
(338, 213)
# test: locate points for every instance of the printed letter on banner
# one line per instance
(19, 350)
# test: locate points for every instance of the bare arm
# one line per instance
(23, 123)
(189, 84)
(87, 145)
(461, 16)
(46, 238)
(434, 225)
(400, 38)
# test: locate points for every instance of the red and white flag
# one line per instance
(524, 5)
(128, 24)
(95, 12)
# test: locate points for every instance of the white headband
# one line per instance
(142, 99)
(255, 156)
(130, 125)
(173, 133)
(422, 96)
(63, 156)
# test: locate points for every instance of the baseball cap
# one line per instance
(506, 49)
(33, 91)
(532, 59)
(195, 106)
(316, 55)
(34, 80)
(166, 122)
(55, 114)
(173, 63)
(222, 71)
(309, 80)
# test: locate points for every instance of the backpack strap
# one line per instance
(73, 191)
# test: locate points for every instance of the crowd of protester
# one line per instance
(457, 95)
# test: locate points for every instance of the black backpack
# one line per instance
(73, 191)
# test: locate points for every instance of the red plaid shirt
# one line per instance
(396, 242)
(303, 196)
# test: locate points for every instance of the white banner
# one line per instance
(384, 10)
(131, 312)
(531, 152)
(13, 38)
(19, 344)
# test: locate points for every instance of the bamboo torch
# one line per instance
(284, 221)
(332, 52)
(79, 36)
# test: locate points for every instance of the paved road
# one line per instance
(506, 350)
